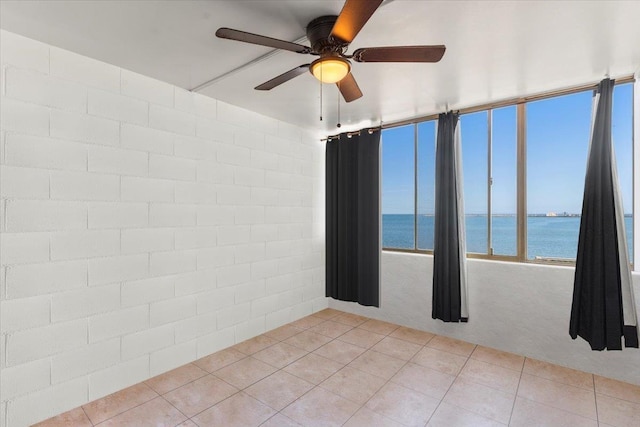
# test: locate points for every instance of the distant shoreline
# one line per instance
(558, 215)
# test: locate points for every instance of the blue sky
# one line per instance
(557, 144)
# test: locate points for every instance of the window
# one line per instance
(398, 188)
(523, 170)
(407, 214)
(474, 130)
(622, 133)
(489, 170)
(558, 131)
(426, 170)
(504, 201)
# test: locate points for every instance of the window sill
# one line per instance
(502, 258)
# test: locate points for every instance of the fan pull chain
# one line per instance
(339, 125)
(320, 93)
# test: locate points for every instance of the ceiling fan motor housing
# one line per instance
(330, 36)
(318, 32)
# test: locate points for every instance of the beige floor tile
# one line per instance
(327, 313)
(199, 395)
(279, 420)
(255, 344)
(397, 348)
(378, 326)
(73, 418)
(527, 413)
(365, 417)
(361, 338)
(283, 332)
(307, 322)
(562, 396)
(440, 360)
(175, 378)
(497, 357)
(451, 345)
(617, 412)
(279, 389)
(331, 329)
(313, 368)
(240, 410)
(403, 405)
(448, 415)
(245, 372)
(412, 335)
(424, 380)
(220, 359)
(340, 351)
(280, 355)
(482, 400)
(320, 407)
(308, 340)
(618, 389)
(314, 389)
(558, 373)
(116, 403)
(157, 412)
(490, 375)
(378, 364)
(353, 384)
(350, 319)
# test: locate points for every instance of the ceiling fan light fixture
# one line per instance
(330, 69)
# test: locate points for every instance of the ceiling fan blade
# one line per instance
(349, 88)
(400, 54)
(282, 78)
(242, 36)
(354, 14)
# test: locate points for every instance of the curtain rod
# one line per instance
(351, 134)
(495, 104)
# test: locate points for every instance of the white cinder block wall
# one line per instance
(142, 227)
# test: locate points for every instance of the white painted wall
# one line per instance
(142, 227)
(515, 307)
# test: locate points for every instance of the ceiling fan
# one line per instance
(330, 37)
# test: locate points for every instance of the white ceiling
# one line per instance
(495, 49)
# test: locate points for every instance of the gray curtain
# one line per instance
(353, 218)
(449, 247)
(603, 308)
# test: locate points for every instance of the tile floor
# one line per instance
(335, 368)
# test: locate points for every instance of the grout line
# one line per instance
(559, 409)
(308, 352)
(452, 382)
(87, 415)
(176, 408)
(595, 398)
(217, 403)
(513, 407)
(366, 350)
(127, 410)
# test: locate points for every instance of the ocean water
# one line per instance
(548, 237)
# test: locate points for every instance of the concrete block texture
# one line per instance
(141, 226)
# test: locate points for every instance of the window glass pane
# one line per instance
(474, 130)
(398, 179)
(557, 144)
(622, 132)
(426, 183)
(504, 187)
